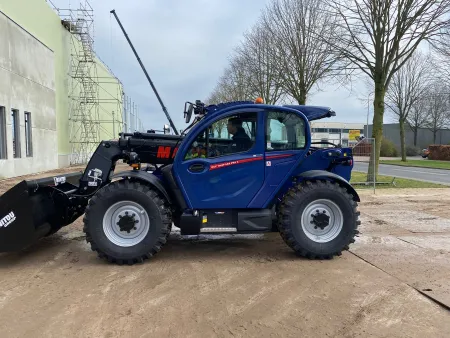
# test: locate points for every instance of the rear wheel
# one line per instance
(127, 222)
(318, 219)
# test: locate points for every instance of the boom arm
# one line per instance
(146, 74)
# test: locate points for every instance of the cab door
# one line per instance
(211, 174)
(287, 140)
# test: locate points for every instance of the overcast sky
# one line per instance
(185, 45)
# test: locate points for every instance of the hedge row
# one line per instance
(439, 152)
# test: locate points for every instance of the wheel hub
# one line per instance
(320, 219)
(127, 222)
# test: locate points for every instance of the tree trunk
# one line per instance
(377, 130)
(402, 139)
(415, 137)
(434, 136)
(302, 98)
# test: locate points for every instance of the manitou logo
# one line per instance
(7, 220)
(164, 152)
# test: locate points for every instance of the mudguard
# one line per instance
(146, 177)
(36, 208)
(318, 174)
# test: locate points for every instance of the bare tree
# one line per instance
(437, 108)
(417, 117)
(300, 59)
(216, 97)
(255, 53)
(380, 36)
(405, 90)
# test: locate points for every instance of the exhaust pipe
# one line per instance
(37, 208)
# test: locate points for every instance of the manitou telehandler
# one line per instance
(240, 167)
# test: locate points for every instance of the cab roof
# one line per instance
(311, 112)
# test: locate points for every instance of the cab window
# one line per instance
(284, 131)
(231, 135)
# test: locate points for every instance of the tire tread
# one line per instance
(287, 205)
(160, 202)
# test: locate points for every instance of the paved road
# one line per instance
(421, 174)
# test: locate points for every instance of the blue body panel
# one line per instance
(253, 179)
(227, 181)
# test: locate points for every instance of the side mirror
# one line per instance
(166, 129)
(188, 113)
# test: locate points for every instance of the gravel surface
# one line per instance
(388, 285)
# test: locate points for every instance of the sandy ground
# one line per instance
(243, 286)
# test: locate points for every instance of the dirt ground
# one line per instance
(394, 282)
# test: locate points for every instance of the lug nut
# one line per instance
(134, 228)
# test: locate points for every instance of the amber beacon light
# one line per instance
(259, 100)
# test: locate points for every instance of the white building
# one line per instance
(337, 132)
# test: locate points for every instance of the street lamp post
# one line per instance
(368, 111)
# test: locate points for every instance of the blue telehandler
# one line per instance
(239, 167)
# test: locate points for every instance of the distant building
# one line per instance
(336, 132)
(57, 98)
(344, 134)
(391, 131)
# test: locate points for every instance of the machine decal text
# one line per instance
(7, 220)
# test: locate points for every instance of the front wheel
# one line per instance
(127, 222)
(318, 219)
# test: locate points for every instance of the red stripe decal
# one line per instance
(230, 163)
(272, 157)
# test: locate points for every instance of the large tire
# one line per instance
(129, 202)
(308, 235)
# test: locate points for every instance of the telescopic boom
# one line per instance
(146, 74)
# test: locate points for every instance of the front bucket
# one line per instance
(32, 209)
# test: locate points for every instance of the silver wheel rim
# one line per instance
(309, 221)
(113, 230)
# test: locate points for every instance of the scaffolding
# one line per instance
(83, 89)
(98, 107)
(131, 119)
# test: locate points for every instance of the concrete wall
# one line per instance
(27, 84)
(40, 20)
(424, 136)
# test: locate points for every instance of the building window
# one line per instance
(28, 135)
(334, 130)
(2, 133)
(345, 131)
(16, 132)
(322, 130)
